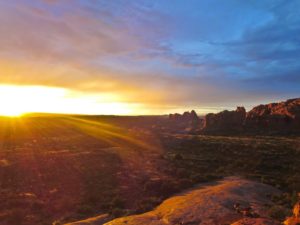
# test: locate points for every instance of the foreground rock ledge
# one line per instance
(230, 201)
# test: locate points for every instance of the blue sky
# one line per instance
(165, 55)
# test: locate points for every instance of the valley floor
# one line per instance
(59, 169)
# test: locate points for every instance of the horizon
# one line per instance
(146, 58)
(37, 113)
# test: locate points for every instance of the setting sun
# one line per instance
(18, 100)
(11, 113)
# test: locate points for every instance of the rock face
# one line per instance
(225, 120)
(295, 219)
(280, 117)
(210, 204)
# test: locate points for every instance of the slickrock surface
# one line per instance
(230, 201)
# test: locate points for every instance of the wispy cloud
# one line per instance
(201, 54)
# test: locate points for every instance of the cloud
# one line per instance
(208, 53)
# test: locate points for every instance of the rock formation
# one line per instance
(275, 116)
(280, 117)
(185, 117)
(225, 120)
(186, 122)
(210, 204)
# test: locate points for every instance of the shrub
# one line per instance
(117, 212)
(117, 202)
(278, 212)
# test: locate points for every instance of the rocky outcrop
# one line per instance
(185, 117)
(295, 219)
(282, 117)
(225, 120)
(186, 122)
(275, 116)
(211, 204)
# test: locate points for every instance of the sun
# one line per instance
(18, 100)
(12, 113)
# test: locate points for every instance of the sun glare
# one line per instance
(11, 113)
(18, 100)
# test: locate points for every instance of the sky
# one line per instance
(147, 56)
